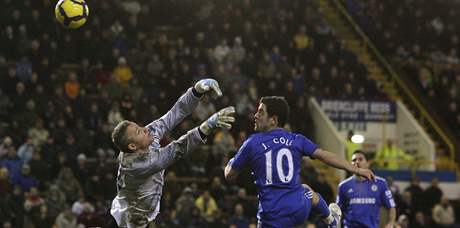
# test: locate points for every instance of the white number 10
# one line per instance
(279, 166)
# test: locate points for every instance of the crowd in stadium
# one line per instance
(422, 40)
(62, 92)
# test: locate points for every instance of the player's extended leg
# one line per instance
(330, 214)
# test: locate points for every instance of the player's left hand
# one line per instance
(221, 119)
(367, 173)
(208, 85)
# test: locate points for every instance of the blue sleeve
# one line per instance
(241, 158)
(340, 197)
(307, 147)
(386, 196)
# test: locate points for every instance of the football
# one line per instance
(71, 13)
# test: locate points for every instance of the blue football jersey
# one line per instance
(275, 159)
(360, 201)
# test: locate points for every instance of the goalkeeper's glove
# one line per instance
(220, 119)
(208, 85)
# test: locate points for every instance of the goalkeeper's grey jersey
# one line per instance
(140, 175)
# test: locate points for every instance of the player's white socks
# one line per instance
(329, 219)
(335, 215)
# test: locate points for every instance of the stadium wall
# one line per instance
(412, 137)
(326, 134)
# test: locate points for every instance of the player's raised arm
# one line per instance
(175, 150)
(238, 162)
(184, 106)
(208, 86)
(340, 163)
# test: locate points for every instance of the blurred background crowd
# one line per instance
(422, 40)
(62, 92)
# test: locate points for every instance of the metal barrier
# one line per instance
(443, 164)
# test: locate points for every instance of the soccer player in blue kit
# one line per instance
(274, 157)
(361, 199)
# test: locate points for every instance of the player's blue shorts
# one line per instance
(291, 220)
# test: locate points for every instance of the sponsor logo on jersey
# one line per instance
(362, 201)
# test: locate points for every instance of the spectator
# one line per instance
(15, 204)
(221, 51)
(205, 108)
(244, 105)
(196, 219)
(416, 192)
(432, 195)
(173, 221)
(184, 206)
(122, 73)
(5, 146)
(420, 220)
(66, 219)
(114, 116)
(5, 183)
(242, 198)
(403, 222)
(25, 180)
(390, 156)
(5, 105)
(93, 188)
(155, 66)
(301, 40)
(33, 202)
(40, 170)
(26, 150)
(223, 142)
(89, 217)
(239, 219)
(218, 190)
(207, 206)
(100, 74)
(67, 182)
(443, 214)
(38, 134)
(406, 206)
(72, 86)
(55, 201)
(83, 169)
(82, 205)
(24, 69)
(28, 117)
(237, 52)
(456, 206)
(43, 219)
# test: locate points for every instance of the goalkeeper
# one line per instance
(142, 161)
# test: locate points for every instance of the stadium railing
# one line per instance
(443, 166)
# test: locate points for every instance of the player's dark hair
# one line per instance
(277, 106)
(119, 137)
(366, 156)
